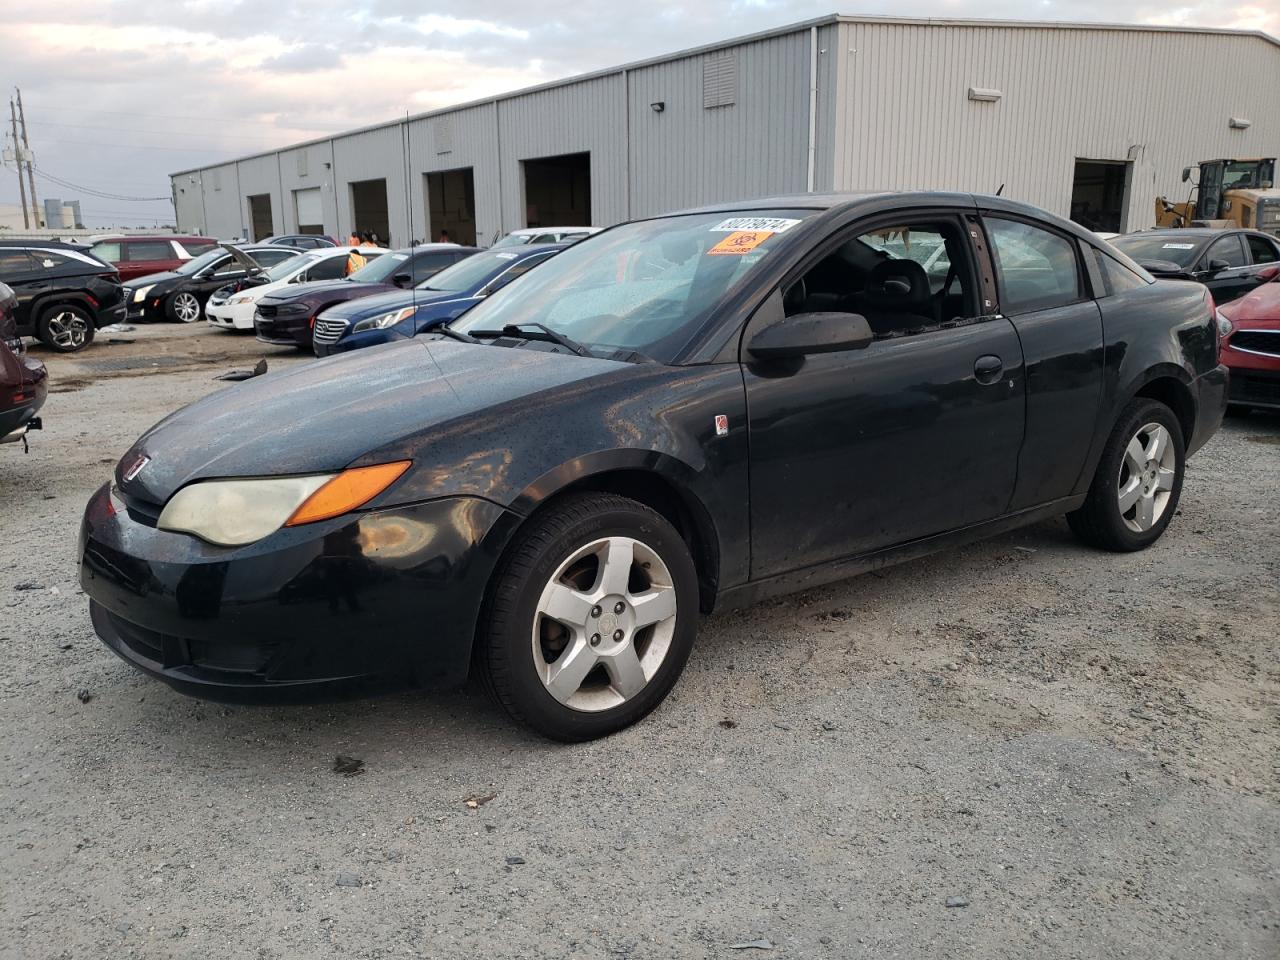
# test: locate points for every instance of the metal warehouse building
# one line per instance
(1091, 121)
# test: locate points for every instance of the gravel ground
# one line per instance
(1020, 748)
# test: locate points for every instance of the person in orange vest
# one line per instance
(355, 259)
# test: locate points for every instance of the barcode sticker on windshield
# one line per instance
(1178, 246)
(771, 224)
(507, 256)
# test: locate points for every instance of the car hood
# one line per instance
(153, 278)
(320, 417)
(1260, 306)
(346, 289)
(386, 302)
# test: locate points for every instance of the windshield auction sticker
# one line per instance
(740, 242)
(1178, 246)
(769, 224)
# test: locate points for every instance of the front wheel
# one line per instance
(590, 618)
(1135, 490)
(183, 308)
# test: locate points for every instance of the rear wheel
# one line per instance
(1135, 490)
(183, 308)
(590, 617)
(65, 327)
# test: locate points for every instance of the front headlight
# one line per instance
(386, 320)
(247, 299)
(141, 293)
(1224, 325)
(231, 513)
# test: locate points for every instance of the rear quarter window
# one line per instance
(1117, 276)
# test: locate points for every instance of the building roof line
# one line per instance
(769, 34)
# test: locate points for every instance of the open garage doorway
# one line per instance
(259, 216)
(557, 191)
(451, 205)
(369, 209)
(1100, 194)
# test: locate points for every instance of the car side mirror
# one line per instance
(809, 333)
(1268, 273)
(401, 279)
(1217, 266)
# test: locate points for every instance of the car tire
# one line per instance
(621, 633)
(1135, 490)
(65, 327)
(183, 307)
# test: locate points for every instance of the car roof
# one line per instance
(526, 250)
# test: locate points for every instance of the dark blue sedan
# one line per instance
(437, 300)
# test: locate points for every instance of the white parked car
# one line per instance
(232, 307)
(518, 238)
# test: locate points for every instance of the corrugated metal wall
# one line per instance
(892, 112)
(1160, 99)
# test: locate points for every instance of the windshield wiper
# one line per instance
(539, 331)
(448, 331)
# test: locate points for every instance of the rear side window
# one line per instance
(1038, 268)
(1262, 249)
(1118, 277)
(13, 262)
(269, 258)
(149, 250)
(197, 247)
(1228, 249)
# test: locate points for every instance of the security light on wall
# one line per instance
(658, 106)
(1239, 123)
(984, 94)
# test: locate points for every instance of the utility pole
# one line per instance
(17, 155)
(31, 173)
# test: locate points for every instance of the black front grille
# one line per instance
(266, 311)
(1257, 341)
(169, 651)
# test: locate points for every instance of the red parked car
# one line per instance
(1251, 348)
(139, 256)
(23, 379)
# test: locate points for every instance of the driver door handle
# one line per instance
(988, 368)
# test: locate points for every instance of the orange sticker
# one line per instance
(740, 241)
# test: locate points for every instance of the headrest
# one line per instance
(899, 284)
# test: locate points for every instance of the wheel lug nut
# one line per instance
(595, 639)
(618, 634)
(596, 611)
(619, 607)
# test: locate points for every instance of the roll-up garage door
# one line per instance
(310, 213)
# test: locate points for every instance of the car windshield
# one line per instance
(513, 240)
(287, 268)
(643, 286)
(200, 262)
(1163, 247)
(379, 268)
(469, 273)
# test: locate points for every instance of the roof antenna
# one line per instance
(1001, 190)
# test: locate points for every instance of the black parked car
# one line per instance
(1229, 262)
(288, 316)
(673, 416)
(24, 381)
(64, 292)
(179, 295)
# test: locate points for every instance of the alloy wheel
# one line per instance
(68, 329)
(604, 624)
(1147, 473)
(186, 308)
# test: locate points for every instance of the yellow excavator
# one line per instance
(1227, 193)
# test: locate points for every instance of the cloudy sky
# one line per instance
(118, 93)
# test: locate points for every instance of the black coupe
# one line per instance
(673, 416)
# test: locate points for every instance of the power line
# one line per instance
(260, 138)
(173, 116)
(91, 191)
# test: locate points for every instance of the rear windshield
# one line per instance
(1172, 249)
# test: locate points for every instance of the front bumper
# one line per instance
(288, 331)
(230, 316)
(1255, 375)
(357, 341)
(367, 601)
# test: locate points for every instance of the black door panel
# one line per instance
(856, 451)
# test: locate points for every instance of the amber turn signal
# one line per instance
(348, 490)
